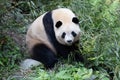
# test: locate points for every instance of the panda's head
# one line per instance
(66, 26)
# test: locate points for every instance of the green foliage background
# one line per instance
(99, 21)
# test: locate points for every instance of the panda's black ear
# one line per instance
(58, 24)
(75, 20)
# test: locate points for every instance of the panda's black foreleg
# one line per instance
(42, 53)
(77, 54)
(79, 57)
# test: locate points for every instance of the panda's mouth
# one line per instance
(69, 42)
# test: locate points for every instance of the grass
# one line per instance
(99, 21)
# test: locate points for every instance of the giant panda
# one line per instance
(53, 34)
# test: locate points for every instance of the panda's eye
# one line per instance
(63, 35)
(75, 20)
(74, 34)
(58, 24)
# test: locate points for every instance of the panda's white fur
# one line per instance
(44, 39)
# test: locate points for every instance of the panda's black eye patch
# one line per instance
(75, 20)
(58, 24)
(74, 34)
(63, 35)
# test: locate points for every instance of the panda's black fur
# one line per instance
(43, 53)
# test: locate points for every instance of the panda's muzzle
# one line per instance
(69, 41)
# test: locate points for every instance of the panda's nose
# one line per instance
(69, 41)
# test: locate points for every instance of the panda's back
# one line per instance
(36, 34)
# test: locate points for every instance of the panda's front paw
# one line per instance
(51, 63)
